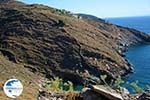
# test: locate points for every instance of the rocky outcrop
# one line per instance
(94, 92)
(57, 44)
(91, 95)
(101, 93)
(106, 93)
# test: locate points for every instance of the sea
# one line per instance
(138, 56)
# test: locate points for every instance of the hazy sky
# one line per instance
(101, 8)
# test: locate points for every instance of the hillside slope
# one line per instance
(29, 80)
(56, 43)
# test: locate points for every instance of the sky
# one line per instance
(100, 8)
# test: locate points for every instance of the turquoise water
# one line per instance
(138, 56)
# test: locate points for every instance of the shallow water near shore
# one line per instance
(139, 57)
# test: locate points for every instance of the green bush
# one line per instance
(103, 79)
(114, 83)
(53, 84)
(118, 82)
(57, 85)
(63, 12)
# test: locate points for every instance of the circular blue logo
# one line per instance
(13, 88)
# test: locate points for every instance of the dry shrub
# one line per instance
(72, 95)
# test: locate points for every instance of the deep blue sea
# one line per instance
(138, 56)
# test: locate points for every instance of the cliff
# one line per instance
(54, 42)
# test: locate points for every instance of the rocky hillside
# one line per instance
(55, 42)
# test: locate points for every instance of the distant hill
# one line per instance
(90, 17)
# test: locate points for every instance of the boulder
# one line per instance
(144, 96)
(99, 92)
(91, 95)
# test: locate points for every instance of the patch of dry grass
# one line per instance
(29, 80)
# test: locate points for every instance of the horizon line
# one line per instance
(106, 17)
